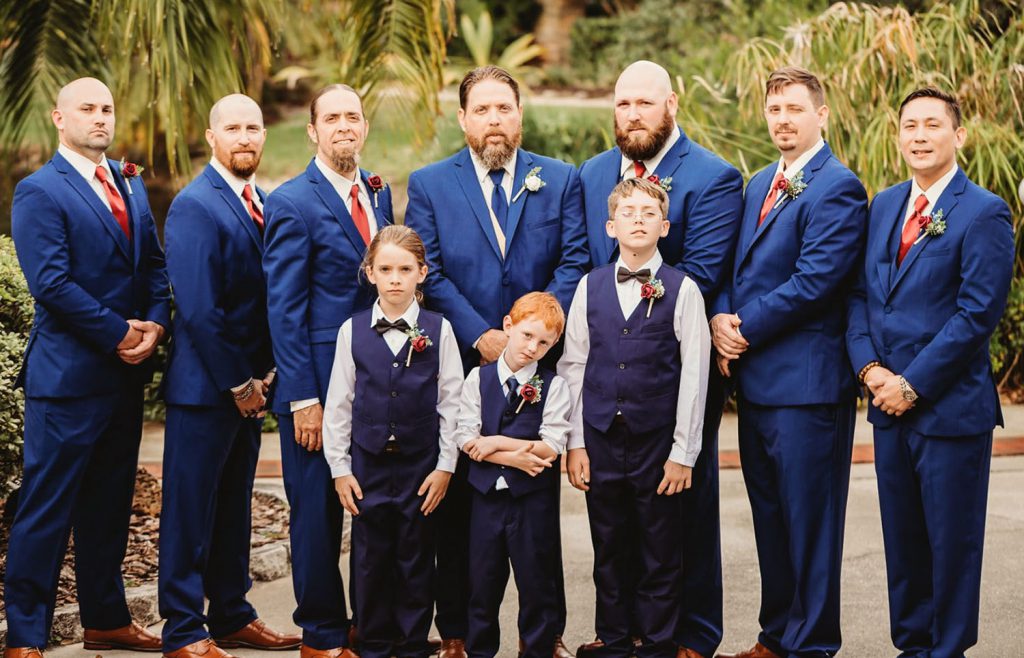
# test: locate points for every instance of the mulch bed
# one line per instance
(269, 524)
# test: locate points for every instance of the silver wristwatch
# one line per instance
(908, 393)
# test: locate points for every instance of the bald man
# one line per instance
(217, 383)
(87, 244)
(705, 205)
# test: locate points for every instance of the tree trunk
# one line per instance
(554, 27)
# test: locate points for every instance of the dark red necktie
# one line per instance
(117, 206)
(773, 194)
(639, 169)
(254, 212)
(912, 228)
(359, 215)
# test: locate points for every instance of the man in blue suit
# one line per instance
(318, 227)
(779, 330)
(498, 222)
(937, 270)
(87, 244)
(705, 206)
(219, 370)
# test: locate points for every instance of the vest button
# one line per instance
(620, 400)
(622, 366)
(625, 331)
(394, 394)
(395, 364)
(392, 425)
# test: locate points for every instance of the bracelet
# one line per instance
(864, 371)
(245, 393)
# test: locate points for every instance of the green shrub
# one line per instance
(16, 310)
(570, 136)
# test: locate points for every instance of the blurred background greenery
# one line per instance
(167, 62)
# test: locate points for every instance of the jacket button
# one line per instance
(394, 394)
(395, 364)
(625, 332)
(504, 281)
(622, 366)
(887, 309)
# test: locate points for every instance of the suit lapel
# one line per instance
(673, 158)
(946, 203)
(82, 187)
(757, 190)
(524, 163)
(330, 198)
(466, 175)
(235, 205)
(134, 214)
(378, 217)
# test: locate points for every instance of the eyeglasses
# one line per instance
(645, 216)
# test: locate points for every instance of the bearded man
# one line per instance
(704, 211)
(498, 222)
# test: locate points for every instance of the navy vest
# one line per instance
(633, 366)
(390, 399)
(498, 417)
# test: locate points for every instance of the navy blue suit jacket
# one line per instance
(214, 252)
(87, 278)
(312, 256)
(469, 282)
(931, 318)
(791, 278)
(704, 210)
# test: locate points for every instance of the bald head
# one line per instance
(234, 105)
(90, 88)
(84, 117)
(644, 75)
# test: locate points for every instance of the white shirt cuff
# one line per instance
(680, 456)
(296, 405)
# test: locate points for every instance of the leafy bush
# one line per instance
(16, 311)
(572, 137)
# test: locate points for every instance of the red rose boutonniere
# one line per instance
(418, 341)
(130, 170)
(530, 392)
(376, 185)
(653, 289)
(665, 184)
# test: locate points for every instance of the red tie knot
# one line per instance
(920, 203)
(247, 192)
(101, 174)
(354, 191)
(639, 168)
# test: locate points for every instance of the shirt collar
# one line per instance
(234, 182)
(522, 376)
(935, 191)
(482, 171)
(798, 165)
(82, 164)
(340, 183)
(626, 166)
(654, 264)
(411, 314)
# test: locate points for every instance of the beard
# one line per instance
(243, 166)
(495, 156)
(646, 146)
(343, 161)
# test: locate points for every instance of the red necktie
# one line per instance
(639, 169)
(254, 212)
(359, 215)
(912, 228)
(117, 206)
(773, 194)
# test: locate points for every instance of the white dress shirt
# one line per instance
(932, 194)
(337, 429)
(626, 169)
(691, 329)
(238, 184)
(483, 176)
(792, 170)
(554, 424)
(87, 169)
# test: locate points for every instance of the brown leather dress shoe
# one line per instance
(131, 637)
(451, 648)
(587, 650)
(23, 652)
(306, 651)
(201, 649)
(561, 651)
(257, 635)
(757, 651)
(686, 652)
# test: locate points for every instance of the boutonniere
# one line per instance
(376, 185)
(934, 225)
(791, 187)
(653, 289)
(130, 170)
(531, 183)
(530, 392)
(665, 184)
(418, 341)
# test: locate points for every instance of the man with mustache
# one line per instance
(705, 204)
(87, 244)
(218, 375)
(779, 330)
(318, 227)
(498, 222)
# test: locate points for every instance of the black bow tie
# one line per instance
(383, 326)
(624, 275)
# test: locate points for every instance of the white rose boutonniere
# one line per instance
(532, 183)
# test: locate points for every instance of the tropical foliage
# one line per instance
(15, 323)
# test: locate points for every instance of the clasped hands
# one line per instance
(139, 341)
(727, 339)
(884, 386)
(254, 405)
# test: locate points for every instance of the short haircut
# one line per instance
(481, 73)
(326, 90)
(542, 306)
(630, 185)
(952, 104)
(795, 75)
